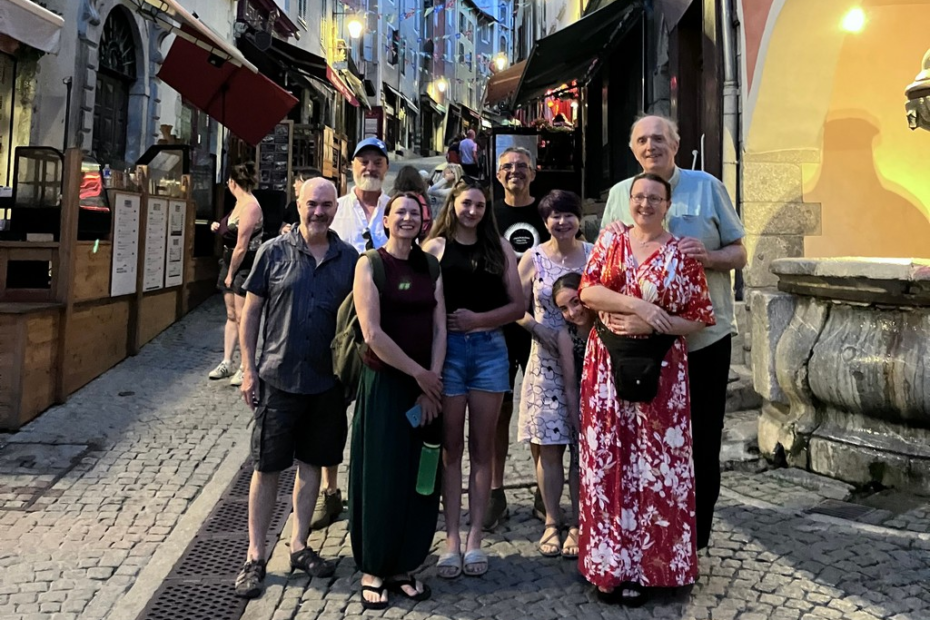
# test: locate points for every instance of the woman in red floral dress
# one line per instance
(637, 477)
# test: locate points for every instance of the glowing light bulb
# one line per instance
(500, 62)
(854, 20)
(355, 28)
(441, 86)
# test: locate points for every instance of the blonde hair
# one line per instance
(457, 170)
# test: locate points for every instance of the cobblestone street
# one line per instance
(99, 497)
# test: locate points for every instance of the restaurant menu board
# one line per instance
(174, 256)
(125, 244)
(156, 227)
(274, 153)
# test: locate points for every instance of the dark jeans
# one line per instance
(708, 370)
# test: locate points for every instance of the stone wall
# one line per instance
(841, 357)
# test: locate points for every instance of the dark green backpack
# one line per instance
(348, 347)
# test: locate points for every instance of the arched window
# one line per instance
(115, 74)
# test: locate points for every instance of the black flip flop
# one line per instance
(375, 605)
(636, 600)
(397, 587)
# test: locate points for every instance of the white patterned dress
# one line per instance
(543, 408)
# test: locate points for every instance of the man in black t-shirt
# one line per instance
(519, 222)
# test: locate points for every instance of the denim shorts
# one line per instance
(476, 361)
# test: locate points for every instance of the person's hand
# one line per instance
(248, 388)
(228, 281)
(654, 316)
(462, 320)
(286, 229)
(625, 324)
(430, 408)
(617, 228)
(547, 336)
(215, 226)
(430, 383)
(694, 248)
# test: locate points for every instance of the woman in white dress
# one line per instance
(548, 403)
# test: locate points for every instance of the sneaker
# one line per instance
(250, 579)
(539, 507)
(328, 508)
(497, 510)
(221, 372)
(236, 378)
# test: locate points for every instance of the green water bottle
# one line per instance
(429, 463)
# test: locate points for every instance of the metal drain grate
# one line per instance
(233, 516)
(200, 586)
(196, 601)
(840, 510)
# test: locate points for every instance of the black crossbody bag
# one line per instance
(637, 362)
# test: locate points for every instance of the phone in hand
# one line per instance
(415, 415)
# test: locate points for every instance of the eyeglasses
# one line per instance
(522, 167)
(653, 201)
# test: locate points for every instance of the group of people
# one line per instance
(623, 346)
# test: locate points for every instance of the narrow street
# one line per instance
(99, 498)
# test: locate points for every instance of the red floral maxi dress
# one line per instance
(637, 478)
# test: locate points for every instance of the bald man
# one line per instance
(702, 216)
(297, 283)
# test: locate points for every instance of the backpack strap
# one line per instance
(377, 269)
(432, 263)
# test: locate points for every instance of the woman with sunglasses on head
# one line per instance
(393, 482)
(482, 293)
(242, 232)
(637, 478)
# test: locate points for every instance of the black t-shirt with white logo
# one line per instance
(521, 226)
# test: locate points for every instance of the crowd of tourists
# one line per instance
(623, 345)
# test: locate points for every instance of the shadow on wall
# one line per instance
(862, 213)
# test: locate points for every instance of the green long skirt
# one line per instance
(391, 525)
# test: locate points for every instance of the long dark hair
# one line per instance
(408, 180)
(244, 176)
(489, 239)
(571, 280)
(417, 258)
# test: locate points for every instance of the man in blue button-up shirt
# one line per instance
(703, 217)
(297, 283)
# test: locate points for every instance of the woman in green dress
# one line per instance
(392, 517)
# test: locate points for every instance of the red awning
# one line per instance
(245, 102)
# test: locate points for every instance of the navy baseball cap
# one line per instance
(371, 143)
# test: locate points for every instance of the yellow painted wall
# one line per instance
(842, 95)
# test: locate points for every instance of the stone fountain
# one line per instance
(841, 357)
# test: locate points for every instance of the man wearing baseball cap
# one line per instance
(359, 221)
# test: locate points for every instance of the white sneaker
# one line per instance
(221, 372)
(236, 378)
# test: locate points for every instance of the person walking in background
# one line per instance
(297, 284)
(482, 293)
(453, 154)
(519, 222)
(703, 217)
(408, 180)
(548, 399)
(392, 509)
(241, 230)
(468, 150)
(637, 480)
(359, 221)
(438, 192)
(291, 213)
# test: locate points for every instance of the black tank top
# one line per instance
(467, 283)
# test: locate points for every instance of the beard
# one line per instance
(369, 184)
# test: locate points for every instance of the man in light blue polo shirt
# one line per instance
(702, 215)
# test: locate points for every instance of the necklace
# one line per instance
(645, 242)
(564, 257)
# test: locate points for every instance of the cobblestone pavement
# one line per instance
(94, 489)
(143, 440)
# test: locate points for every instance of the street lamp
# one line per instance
(355, 27)
(500, 62)
(441, 85)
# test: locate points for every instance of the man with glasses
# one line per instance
(359, 221)
(519, 222)
(702, 216)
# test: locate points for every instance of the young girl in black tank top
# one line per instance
(482, 292)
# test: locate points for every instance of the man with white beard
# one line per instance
(359, 218)
(359, 221)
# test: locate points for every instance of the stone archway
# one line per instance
(117, 72)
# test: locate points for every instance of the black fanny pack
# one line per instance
(637, 362)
